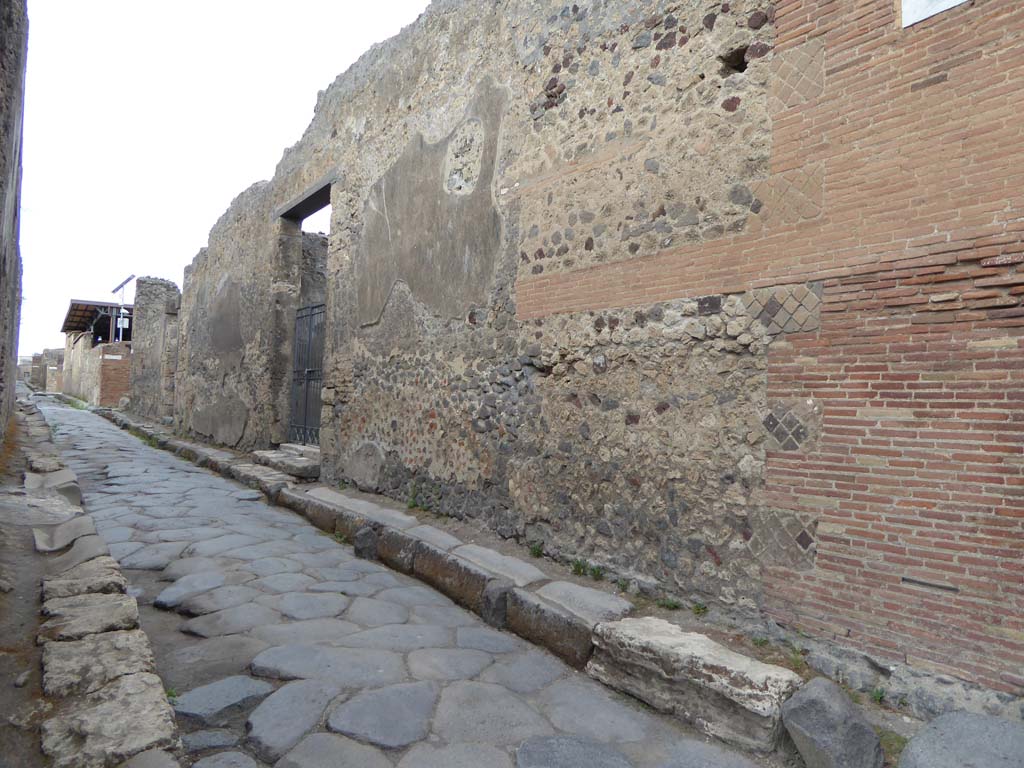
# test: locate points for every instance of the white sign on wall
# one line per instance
(918, 10)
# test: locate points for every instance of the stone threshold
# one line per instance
(96, 659)
(724, 694)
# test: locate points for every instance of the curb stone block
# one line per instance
(365, 543)
(565, 635)
(461, 580)
(495, 603)
(397, 549)
(323, 516)
(722, 693)
(519, 572)
(347, 524)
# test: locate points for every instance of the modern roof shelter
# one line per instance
(98, 318)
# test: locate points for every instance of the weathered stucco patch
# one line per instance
(443, 246)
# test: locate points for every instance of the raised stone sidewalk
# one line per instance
(509, 593)
(96, 661)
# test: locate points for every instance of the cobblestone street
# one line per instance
(289, 651)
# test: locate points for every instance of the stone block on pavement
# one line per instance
(129, 716)
(722, 693)
(86, 665)
(966, 740)
(270, 481)
(72, 618)
(550, 626)
(829, 730)
(100, 574)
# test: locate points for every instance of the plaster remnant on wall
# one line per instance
(443, 246)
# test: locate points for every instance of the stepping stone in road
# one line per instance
(388, 717)
(214, 704)
(288, 714)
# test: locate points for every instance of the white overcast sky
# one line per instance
(144, 119)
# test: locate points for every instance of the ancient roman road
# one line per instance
(280, 648)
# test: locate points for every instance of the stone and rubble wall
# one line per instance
(236, 324)
(154, 347)
(97, 375)
(13, 51)
(722, 298)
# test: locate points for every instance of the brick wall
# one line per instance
(895, 184)
(115, 373)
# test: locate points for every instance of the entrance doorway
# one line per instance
(307, 375)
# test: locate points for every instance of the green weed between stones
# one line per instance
(892, 745)
(878, 695)
(579, 567)
(669, 604)
(172, 695)
(596, 573)
(623, 585)
(537, 549)
(699, 609)
(760, 642)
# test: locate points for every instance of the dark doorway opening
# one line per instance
(307, 375)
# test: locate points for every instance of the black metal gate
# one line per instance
(307, 376)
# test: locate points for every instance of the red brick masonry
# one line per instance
(898, 180)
